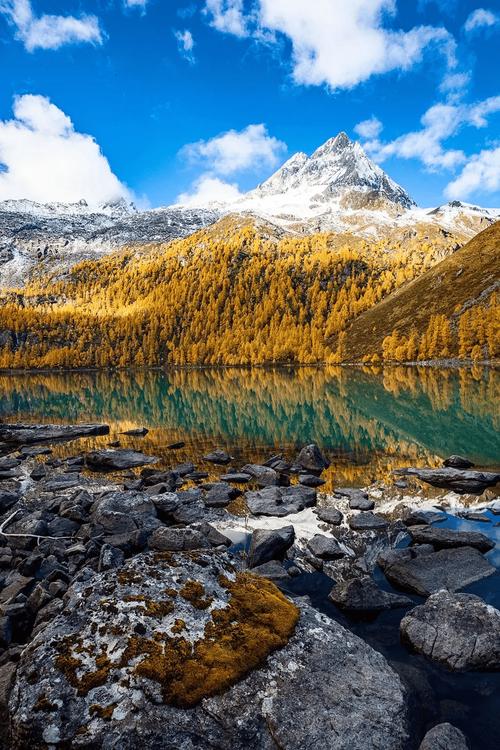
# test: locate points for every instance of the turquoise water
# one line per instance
(367, 422)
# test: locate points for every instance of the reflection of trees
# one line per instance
(366, 421)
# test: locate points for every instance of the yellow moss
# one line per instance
(238, 507)
(194, 592)
(44, 704)
(151, 607)
(69, 666)
(257, 620)
(103, 712)
(178, 626)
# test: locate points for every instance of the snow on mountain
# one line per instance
(338, 188)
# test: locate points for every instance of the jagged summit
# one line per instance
(338, 166)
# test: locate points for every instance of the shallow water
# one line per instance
(470, 701)
(366, 422)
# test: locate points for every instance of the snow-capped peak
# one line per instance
(338, 166)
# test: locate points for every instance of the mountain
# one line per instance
(55, 236)
(460, 295)
(338, 166)
(336, 189)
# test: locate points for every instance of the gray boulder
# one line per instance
(274, 570)
(325, 547)
(270, 544)
(311, 480)
(220, 494)
(264, 476)
(280, 501)
(451, 569)
(104, 675)
(448, 538)
(311, 459)
(329, 515)
(458, 462)
(237, 477)
(363, 595)
(462, 482)
(444, 737)
(218, 456)
(110, 460)
(458, 631)
(367, 521)
(358, 499)
(164, 539)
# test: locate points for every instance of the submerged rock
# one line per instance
(136, 432)
(444, 737)
(363, 595)
(134, 648)
(448, 538)
(459, 631)
(451, 569)
(462, 482)
(109, 460)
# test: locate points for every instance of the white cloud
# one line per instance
(454, 83)
(185, 44)
(227, 16)
(480, 174)
(480, 18)
(236, 151)
(43, 158)
(334, 42)
(209, 189)
(440, 122)
(369, 129)
(49, 31)
(136, 3)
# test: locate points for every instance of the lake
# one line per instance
(367, 422)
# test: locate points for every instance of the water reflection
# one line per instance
(368, 422)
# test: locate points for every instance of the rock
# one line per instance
(358, 499)
(329, 515)
(166, 504)
(183, 469)
(137, 432)
(472, 515)
(458, 631)
(5, 632)
(363, 595)
(316, 684)
(274, 570)
(218, 456)
(451, 569)
(325, 547)
(448, 538)
(311, 459)
(236, 477)
(61, 482)
(264, 476)
(419, 517)
(39, 472)
(175, 540)
(458, 462)
(367, 522)
(270, 544)
(280, 501)
(109, 460)
(27, 434)
(220, 494)
(214, 536)
(462, 482)
(444, 737)
(110, 557)
(176, 446)
(196, 476)
(153, 478)
(7, 500)
(311, 480)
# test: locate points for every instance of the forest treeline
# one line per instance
(233, 294)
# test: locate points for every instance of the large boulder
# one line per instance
(329, 515)
(264, 476)
(325, 547)
(448, 478)
(458, 462)
(113, 460)
(310, 458)
(444, 737)
(459, 631)
(280, 501)
(27, 434)
(449, 538)
(270, 544)
(134, 648)
(451, 569)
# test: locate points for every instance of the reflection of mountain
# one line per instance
(354, 415)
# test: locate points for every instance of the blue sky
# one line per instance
(146, 81)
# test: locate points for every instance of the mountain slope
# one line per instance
(458, 290)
